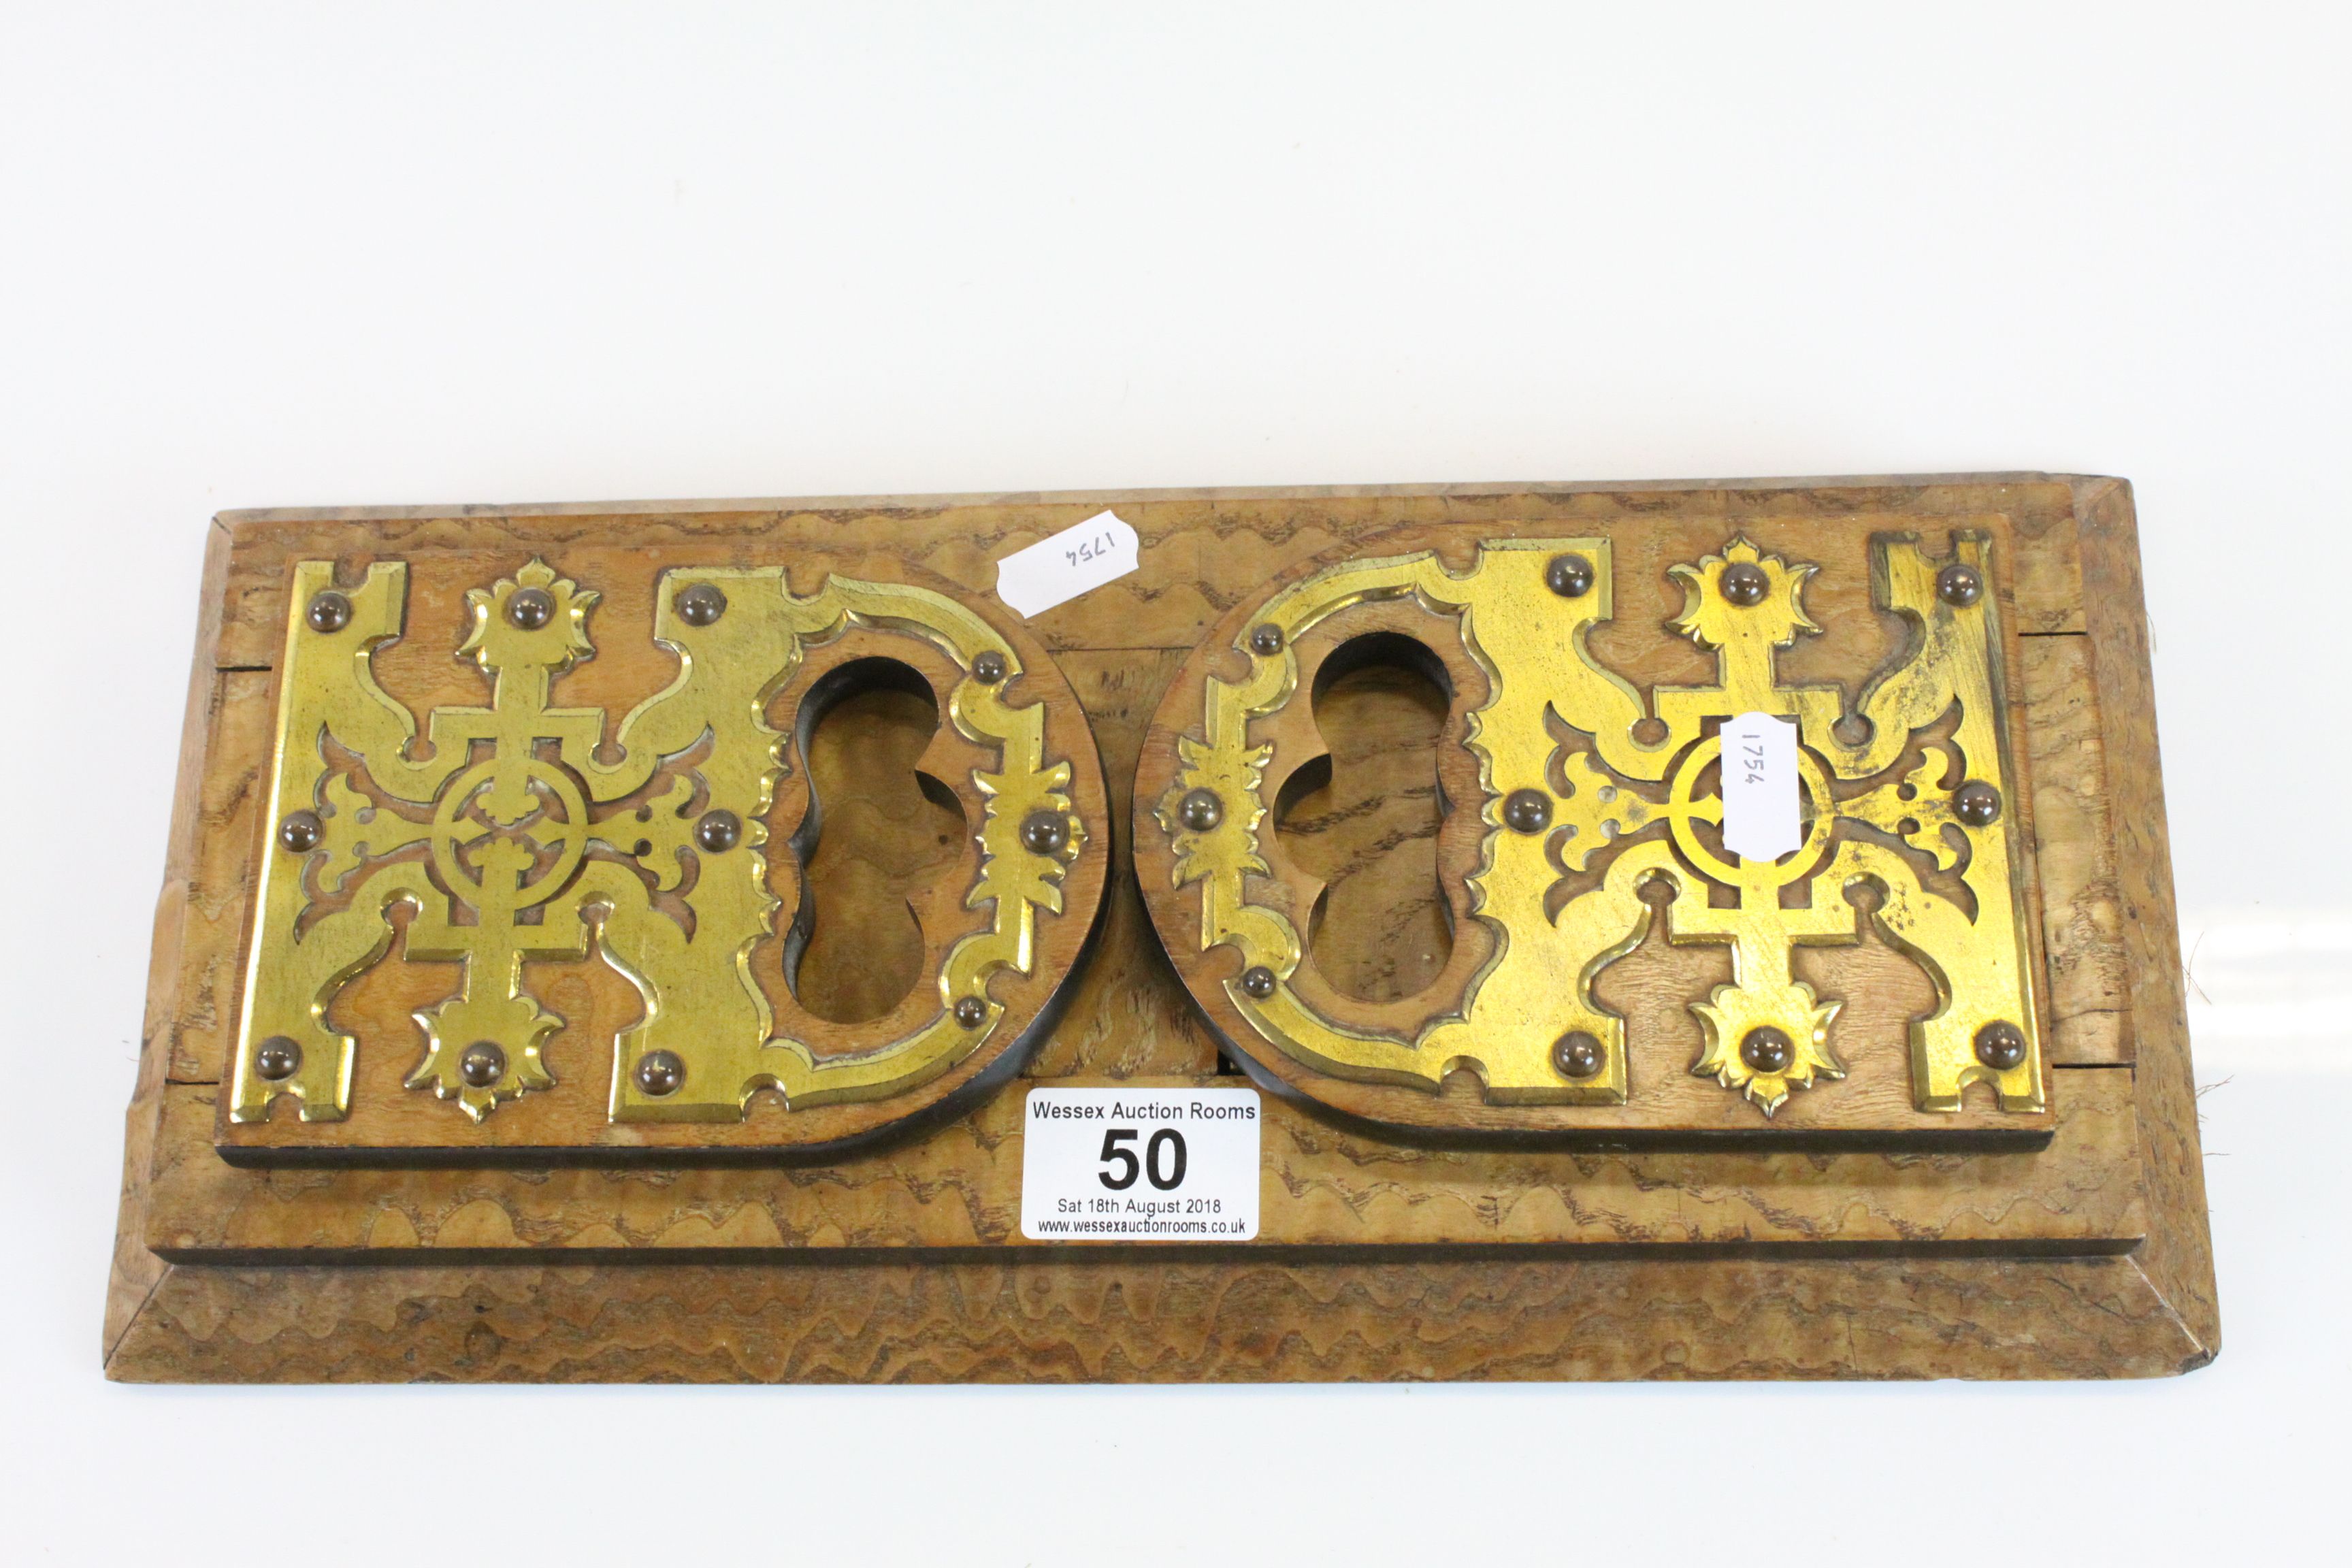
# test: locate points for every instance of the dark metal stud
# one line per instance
(1044, 832)
(1767, 1050)
(989, 668)
(1526, 811)
(1569, 576)
(2000, 1046)
(719, 831)
(701, 604)
(530, 608)
(1257, 983)
(970, 1012)
(1745, 583)
(1577, 1055)
(660, 1073)
(482, 1065)
(277, 1057)
(1960, 584)
(1265, 641)
(1200, 810)
(327, 611)
(1977, 802)
(301, 832)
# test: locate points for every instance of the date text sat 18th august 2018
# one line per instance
(1139, 1164)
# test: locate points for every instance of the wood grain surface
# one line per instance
(1368, 833)
(2178, 1256)
(1177, 1321)
(2088, 1258)
(1321, 1186)
(2074, 854)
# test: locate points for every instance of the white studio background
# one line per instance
(329, 254)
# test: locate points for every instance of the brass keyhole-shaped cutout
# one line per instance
(1364, 820)
(878, 835)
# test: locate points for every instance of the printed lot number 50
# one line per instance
(1139, 1164)
(1165, 1140)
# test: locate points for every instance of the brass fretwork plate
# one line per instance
(1616, 968)
(566, 915)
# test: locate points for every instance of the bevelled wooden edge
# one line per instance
(135, 1271)
(1162, 1316)
(2177, 1256)
(1165, 1319)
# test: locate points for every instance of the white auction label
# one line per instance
(1759, 787)
(1098, 550)
(1139, 1164)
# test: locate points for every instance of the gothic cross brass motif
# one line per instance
(1901, 806)
(520, 832)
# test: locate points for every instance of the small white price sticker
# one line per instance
(1759, 787)
(1100, 550)
(1139, 1164)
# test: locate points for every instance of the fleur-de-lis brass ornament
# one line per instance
(522, 831)
(1597, 811)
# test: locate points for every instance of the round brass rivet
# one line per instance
(1044, 832)
(1960, 584)
(1200, 810)
(328, 611)
(1977, 802)
(302, 831)
(482, 1065)
(1526, 811)
(530, 608)
(1745, 584)
(1569, 576)
(701, 604)
(1257, 982)
(989, 668)
(970, 1012)
(277, 1057)
(1577, 1055)
(1767, 1050)
(719, 831)
(1266, 640)
(2000, 1046)
(660, 1073)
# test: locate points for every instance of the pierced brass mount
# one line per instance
(1931, 840)
(520, 835)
